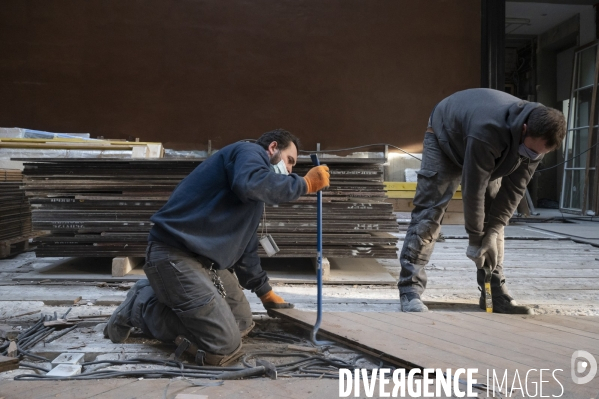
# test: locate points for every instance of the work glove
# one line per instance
(500, 245)
(473, 252)
(270, 300)
(317, 178)
(487, 253)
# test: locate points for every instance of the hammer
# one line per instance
(263, 367)
(488, 297)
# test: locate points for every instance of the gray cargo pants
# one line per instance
(182, 300)
(438, 180)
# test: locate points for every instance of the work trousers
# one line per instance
(181, 299)
(438, 180)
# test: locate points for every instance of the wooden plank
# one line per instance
(555, 340)
(397, 339)
(401, 194)
(391, 348)
(497, 330)
(400, 186)
(514, 348)
(554, 328)
(326, 267)
(8, 363)
(481, 348)
(588, 324)
(14, 246)
(579, 323)
(508, 334)
(121, 266)
(446, 349)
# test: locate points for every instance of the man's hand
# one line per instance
(473, 252)
(317, 178)
(488, 249)
(270, 300)
(487, 252)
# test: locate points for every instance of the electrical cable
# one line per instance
(62, 333)
(33, 366)
(29, 338)
(67, 312)
(116, 374)
(569, 159)
(169, 363)
(308, 366)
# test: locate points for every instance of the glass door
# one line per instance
(578, 193)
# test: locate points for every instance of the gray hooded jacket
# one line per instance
(480, 130)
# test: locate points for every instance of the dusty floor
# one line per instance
(553, 272)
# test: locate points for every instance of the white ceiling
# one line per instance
(542, 16)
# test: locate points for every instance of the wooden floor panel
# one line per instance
(488, 342)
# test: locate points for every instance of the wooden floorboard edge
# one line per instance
(342, 340)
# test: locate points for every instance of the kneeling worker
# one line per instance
(204, 244)
(491, 143)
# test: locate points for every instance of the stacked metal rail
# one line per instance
(102, 207)
(15, 213)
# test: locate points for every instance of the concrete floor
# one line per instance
(554, 272)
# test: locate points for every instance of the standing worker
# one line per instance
(491, 143)
(206, 232)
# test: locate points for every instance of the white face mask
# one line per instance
(280, 167)
(528, 153)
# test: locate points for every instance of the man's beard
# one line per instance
(276, 158)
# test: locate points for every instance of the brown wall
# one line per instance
(338, 72)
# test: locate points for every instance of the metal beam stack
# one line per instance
(102, 207)
(15, 213)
